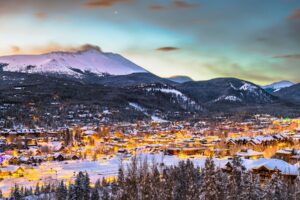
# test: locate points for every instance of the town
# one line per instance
(266, 145)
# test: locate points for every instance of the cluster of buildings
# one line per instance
(260, 138)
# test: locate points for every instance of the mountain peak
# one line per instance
(86, 59)
(275, 87)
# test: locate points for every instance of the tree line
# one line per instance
(140, 180)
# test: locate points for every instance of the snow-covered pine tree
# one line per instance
(250, 187)
(235, 179)
(167, 185)
(86, 187)
(37, 189)
(72, 194)
(274, 188)
(221, 184)
(209, 190)
(16, 194)
(61, 191)
(95, 194)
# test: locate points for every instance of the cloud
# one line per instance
(288, 56)
(156, 7)
(105, 3)
(86, 47)
(295, 15)
(15, 49)
(167, 49)
(41, 15)
(175, 4)
(226, 67)
(53, 47)
(183, 4)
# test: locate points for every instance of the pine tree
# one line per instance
(16, 194)
(37, 189)
(167, 185)
(209, 186)
(72, 194)
(61, 191)
(95, 194)
(86, 187)
(275, 189)
(154, 183)
(221, 184)
(250, 187)
(235, 179)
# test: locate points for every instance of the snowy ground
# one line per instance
(54, 171)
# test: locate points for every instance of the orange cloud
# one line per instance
(15, 49)
(183, 4)
(104, 3)
(41, 15)
(52, 47)
(156, 7)
(167, 49)
(295, 15)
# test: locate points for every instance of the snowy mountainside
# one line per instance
(71, 63)
(175, 95)
(275, 87)
(226, 90)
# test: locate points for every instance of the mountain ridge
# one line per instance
(90, 60)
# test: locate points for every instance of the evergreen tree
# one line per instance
(275, 188)
(95, 194)
(72, 194)
(209, 186)
(61, 191)
(16, 194)
(221, 184)
(37, 189)
(235, 179)
(250, 187)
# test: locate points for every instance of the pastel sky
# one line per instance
(256, 40)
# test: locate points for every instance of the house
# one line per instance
(266, 167)
(12, 170)
(289, 155)
(58, 157)
(250, 154)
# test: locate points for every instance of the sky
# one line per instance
(255, 40)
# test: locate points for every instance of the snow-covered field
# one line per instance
(54, 171)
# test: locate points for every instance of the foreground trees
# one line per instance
(185, 181)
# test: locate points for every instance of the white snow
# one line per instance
(278, 85)
(52, 172)
(166, 90)
(248, 87)
(62, 62)
(272, 164)
(158, 119)
(249, 152)
(137, 107)
(170, 91)
(228, 98)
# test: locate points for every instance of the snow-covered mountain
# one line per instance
(180, 79)
(275, 87)
(71, 63)
(226, 91)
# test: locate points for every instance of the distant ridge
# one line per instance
(275, 87)
(180, 79)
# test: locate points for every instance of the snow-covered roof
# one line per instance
(271, 164)
(249, 152)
